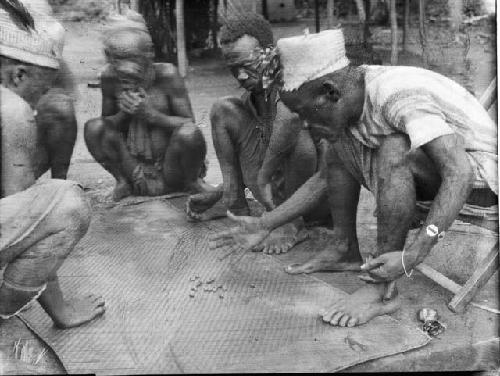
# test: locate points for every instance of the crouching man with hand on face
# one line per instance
(146, 137)
(40, 222)
(408, 135)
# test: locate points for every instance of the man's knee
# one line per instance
(190, 136)
(93, 130)
(224, 112)
(74, 210)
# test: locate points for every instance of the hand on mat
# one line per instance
(248, 235)
(386, 267)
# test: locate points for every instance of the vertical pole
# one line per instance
(366, 26)
(264, 9)
(361, 10)
(423, 37)
(181, 38)
(330, 18)
(394, 33)
(406, 24)
(316, 15)
(134, 5)
(213, 23)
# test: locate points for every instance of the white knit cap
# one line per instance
(42, 46)
(307, 57)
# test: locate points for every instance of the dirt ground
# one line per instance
(209, 79)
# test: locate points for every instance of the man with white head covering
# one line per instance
(146, 137)
(50, 84)
(406, 134)
(40, 222)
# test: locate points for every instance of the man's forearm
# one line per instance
(301, 202)
(445, 208)
(118, 120)
(158, 119)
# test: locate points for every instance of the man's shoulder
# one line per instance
(283, 113)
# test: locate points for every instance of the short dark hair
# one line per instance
(251, 24)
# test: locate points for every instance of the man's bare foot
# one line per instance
(360, 307)
(283, 238)
(76, 312)
(122, 190)
(198, 203)
(209, 205)
(328, 260)
(69, 313)
(200, 186)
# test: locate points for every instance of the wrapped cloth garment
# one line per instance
(148, 179)
(139, 141)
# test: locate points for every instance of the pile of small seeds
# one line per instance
(208, 286)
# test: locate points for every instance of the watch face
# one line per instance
(432, 230)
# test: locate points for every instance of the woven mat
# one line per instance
(142, 259)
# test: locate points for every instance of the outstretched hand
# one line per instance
(249, 234)
(386, 267)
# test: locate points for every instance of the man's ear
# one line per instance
(331, 90)
(19, 75)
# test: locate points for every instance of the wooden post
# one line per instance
(361, 10)
(264, 9)
(254, 6)
(316, 15)
(394, 33)
(423, 36)
(213, 23)
(366, 28)
(330, 17)
(406, 24)
(181, 38)
(134, 5)
(455, 12)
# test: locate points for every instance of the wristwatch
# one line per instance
(433, 231)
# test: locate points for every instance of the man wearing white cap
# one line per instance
(48, 75)
(409, 136)
(40, 222)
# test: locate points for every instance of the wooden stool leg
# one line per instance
(478, 279)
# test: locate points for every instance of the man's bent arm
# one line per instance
(286, 129)
(173, 86)
(301, 202)
(450, 158)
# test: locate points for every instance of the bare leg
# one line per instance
(396, 198)
(184, 160)
(299, 166)
(108, 148)
(343, 252)
(57, 121)
(237, 147)
(47, 248)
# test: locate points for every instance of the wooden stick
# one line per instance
(478, 279)
(489, 95)
(437, 277)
